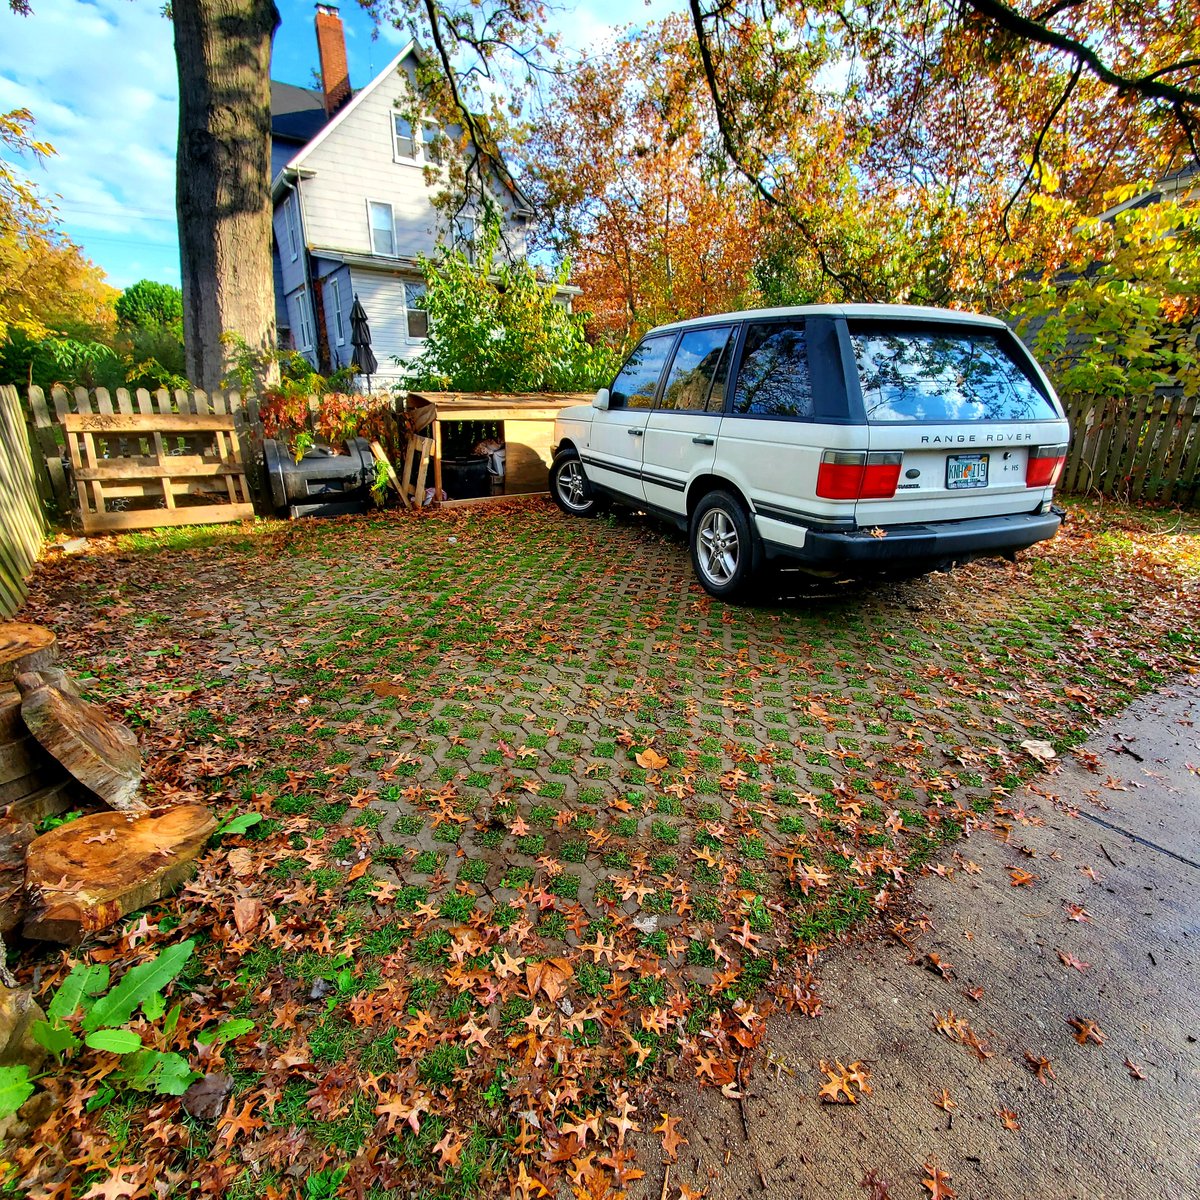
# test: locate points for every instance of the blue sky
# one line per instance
(99, 77)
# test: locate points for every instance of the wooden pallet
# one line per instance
(411, 484)
(156, 457)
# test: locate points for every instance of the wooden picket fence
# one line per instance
(23, 526)
(1140, 450)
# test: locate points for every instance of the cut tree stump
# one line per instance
(100, 752)
(25, 647)
(15, 839)
(88, 874)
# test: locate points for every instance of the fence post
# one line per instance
(24, 525)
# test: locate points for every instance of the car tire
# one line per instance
(570, 487)
(726, 553)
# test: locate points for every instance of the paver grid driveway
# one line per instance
(609, 822)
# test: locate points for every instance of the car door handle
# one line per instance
(703, 441)
(635, 433)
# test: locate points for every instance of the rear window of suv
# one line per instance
(935, 375)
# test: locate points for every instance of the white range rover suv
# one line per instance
(846, 440)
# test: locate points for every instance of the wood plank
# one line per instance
(49, 449)
(83, 402)
(153, 518)
(89, 454)
(124, 401)
(174, 467)
(200, 405)
(61, 401)
(104, 402)
(1187, 487)
(1172, 442)
(1148, 449)
(392, 478)
(491, 499)
(142, 423)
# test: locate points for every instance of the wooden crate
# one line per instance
(156, 457)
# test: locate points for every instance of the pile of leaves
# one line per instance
(539, 826)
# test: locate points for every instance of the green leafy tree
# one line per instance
(1123, 318)
(496, 327)
(149, 305)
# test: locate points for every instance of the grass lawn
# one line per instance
(540, 822)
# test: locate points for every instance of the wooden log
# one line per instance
(49, 801)
(15, 839)
(88, 874)
(25, 647)
(100, 752)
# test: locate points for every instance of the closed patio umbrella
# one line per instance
(360, 339)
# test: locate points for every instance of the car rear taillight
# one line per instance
(1045, 465)
(856, 475)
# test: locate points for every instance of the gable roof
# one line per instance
(340, 116)
(297, 113)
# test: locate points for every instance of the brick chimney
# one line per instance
(331, 46)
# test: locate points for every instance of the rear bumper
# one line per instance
(941, 541)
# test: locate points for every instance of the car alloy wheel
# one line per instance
(718, 549)
(573, 486)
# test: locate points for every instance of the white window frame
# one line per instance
(415, 139)
(304, 321)
(409, 337)
(397, 154)
(371, 227)
(289, 218)
(339, 325)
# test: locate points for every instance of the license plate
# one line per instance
(966, 471)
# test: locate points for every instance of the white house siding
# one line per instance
(382, 296)
(355, 164)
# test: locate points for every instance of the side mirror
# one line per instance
(601, 400)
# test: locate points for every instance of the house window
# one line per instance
(403, 146)
(414, 141)
(418, 318)
(431, 142)
(289, 216)
(383, 228)
(335, 308)
(304, 320)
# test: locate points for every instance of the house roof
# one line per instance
(297, 113)
(298, 116)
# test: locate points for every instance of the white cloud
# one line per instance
(100, 80)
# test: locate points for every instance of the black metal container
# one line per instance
(322, 483)
(466, 478)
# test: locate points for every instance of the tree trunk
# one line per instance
(223, 177)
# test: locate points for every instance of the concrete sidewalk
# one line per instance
(1114, 843)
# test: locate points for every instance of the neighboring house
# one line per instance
(353, 208)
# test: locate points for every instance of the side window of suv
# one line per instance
(635, 385)
(696, 381)
(774, 379)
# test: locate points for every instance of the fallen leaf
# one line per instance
(247, 914)
(207, 1097)
(1135, 1072)
(241, 861)
(651, 759)
(937, 1183)
(1087, 1031)
(1008, 1119)
(1042, 751)
(1069, 960)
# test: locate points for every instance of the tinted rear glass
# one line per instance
(960, 375)
(774, 379)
